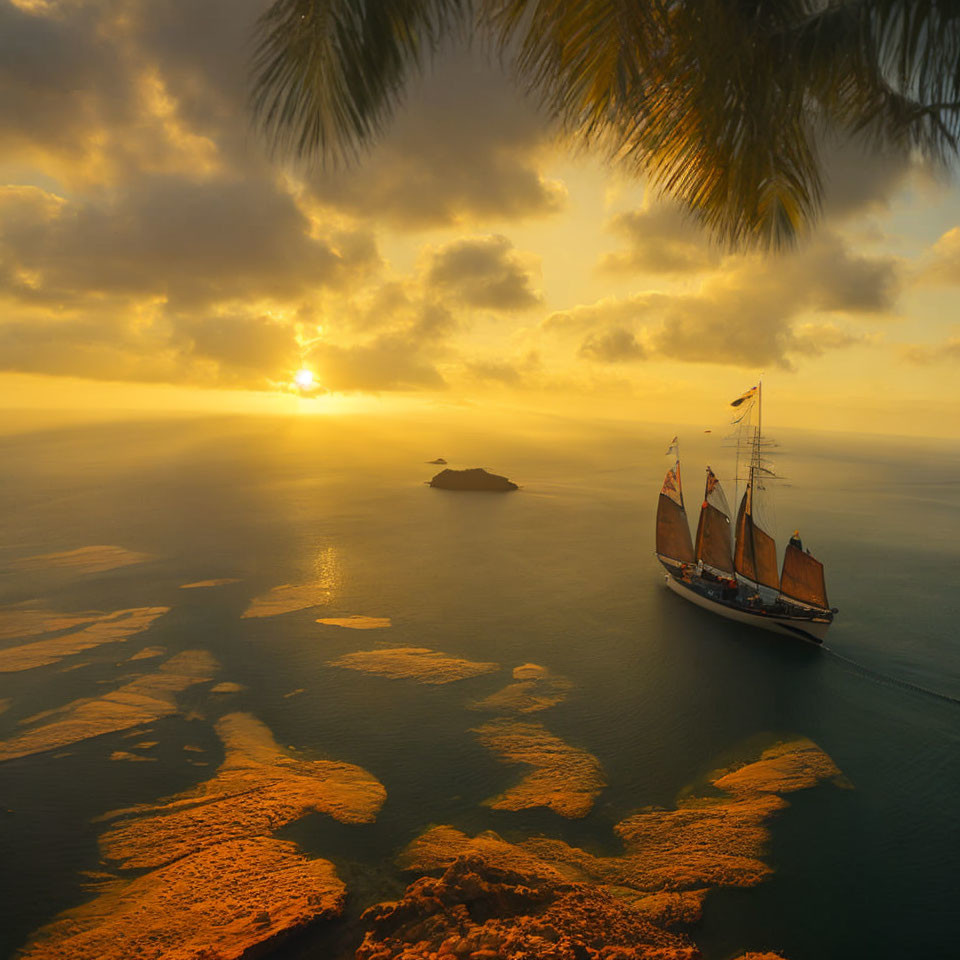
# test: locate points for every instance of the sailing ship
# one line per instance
(736, 576)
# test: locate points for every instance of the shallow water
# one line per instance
(560, 574)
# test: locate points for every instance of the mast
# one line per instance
(755, 554)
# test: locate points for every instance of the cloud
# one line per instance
(513, 373)
(606, 312)
(748, 313)
(923, 355)
(483, 272)
(391, 361)
(942, 266)
(660, 239)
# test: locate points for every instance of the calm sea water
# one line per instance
(561, 574)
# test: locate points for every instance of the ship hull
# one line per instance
(813, 630)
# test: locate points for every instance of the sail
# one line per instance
(673, 532)
(755, 557)
(713, 545)
(802, 578)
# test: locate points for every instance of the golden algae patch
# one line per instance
(4, 705)
(257, 789)
(671, 858)
(200, 584)
(413, 663)
(564, 779)
(126, 755)
(110, 628)
(216, 903)
(534, 688)
(289, 597)
(139, 702)
(148, 653)
(21, 620)
(357, 622)
(228, 686)
(92, 559)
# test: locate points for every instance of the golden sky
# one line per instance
(154, 258)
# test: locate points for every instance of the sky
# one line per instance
(155, 257)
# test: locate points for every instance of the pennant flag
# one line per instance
(744, 397)
(674, 447)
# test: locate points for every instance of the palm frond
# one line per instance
(328, 74)
(720, 103)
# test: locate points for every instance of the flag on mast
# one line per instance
(744, 397)
(674, 448)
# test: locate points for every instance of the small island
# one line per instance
(440, 461)
(474, 479)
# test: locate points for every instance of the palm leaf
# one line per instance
(720, 103)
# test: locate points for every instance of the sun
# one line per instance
(304, 379)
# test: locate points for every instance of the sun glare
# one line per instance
(304, 379)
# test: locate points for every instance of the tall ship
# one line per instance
(733, 572)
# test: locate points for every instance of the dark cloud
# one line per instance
(466, 148)
(188, 242)
(483, 272)
(859, 178)
(612, 346)
(660, 239)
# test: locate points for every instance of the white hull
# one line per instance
(801, 628)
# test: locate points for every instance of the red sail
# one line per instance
(673, 532)
(802, 578)
(713, 531)
(755, 557)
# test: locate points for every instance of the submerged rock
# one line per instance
(475, 478)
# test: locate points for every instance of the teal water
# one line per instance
(560, 574)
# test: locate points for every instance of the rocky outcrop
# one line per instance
(474, 479)
(483, 911)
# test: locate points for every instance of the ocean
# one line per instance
(560, 574)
